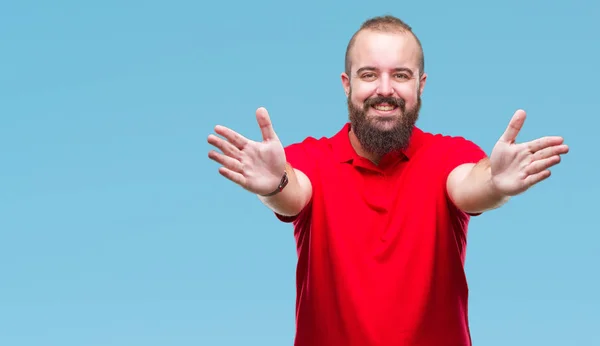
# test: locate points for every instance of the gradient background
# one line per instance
(116, 229)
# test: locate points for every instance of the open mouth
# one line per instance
(384, 108)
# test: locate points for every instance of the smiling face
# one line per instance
(384, 89)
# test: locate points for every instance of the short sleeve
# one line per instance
(460, 151)
(303, 157)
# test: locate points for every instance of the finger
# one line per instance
(225, 147)
(233, 176)
(551, 151)
(233, 137)
(544, 142)
(264, 122)
(226, 161)
(537, 166)
(536, 178)
(514, 127)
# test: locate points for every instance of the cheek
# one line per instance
(362, 91)
(408, 93)
(356, 98)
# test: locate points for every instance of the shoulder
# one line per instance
(443, 152)
(320, 147)
(438, 143)
(310, 155)
(310, 143)
(439, 139)
(309, 148)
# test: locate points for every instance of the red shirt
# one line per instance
(381, 249)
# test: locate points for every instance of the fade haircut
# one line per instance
(385, 23)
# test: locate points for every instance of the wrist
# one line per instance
(282, 184)
(495, 192)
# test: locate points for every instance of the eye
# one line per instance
(401, 76)
(368, 76)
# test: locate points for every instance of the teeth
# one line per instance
(383, 108)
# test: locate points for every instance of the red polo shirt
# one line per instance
(381, 249)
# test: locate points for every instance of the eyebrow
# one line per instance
(371, 68)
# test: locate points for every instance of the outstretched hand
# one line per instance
(256, 166)
(515, 166)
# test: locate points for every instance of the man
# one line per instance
(380, 210)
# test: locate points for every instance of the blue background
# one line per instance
(116, 229)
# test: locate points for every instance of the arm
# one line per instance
(472, 190)
(293, 198)
(258, 166)
(511, 169)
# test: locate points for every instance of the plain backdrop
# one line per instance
(116, 229)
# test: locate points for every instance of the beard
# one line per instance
(381, 136)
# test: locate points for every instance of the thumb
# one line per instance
(264, 122)
(514, 127)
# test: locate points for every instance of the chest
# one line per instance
(406, 188)
(376, 211)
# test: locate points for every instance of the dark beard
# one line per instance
(376, 140)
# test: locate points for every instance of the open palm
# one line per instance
(255, 166)
(518, 166)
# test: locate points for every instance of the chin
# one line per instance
(384, 122)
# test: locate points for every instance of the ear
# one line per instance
(346, 83)
(422, 83)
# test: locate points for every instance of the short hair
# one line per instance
(387, 23)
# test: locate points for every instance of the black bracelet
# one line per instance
(282, 184)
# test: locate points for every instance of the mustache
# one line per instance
(396, 102)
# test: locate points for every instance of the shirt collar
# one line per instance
(344, 151)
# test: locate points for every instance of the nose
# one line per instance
(385, 87)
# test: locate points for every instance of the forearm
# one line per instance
(293, 198)
(473, 190)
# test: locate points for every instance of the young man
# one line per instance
(380, 210)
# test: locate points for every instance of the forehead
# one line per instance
(385, 50)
